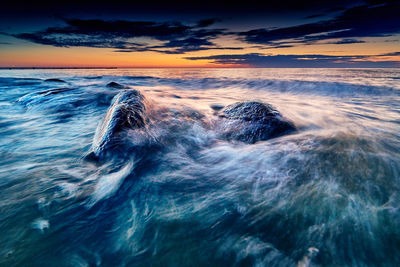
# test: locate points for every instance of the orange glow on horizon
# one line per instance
(49, 56)
(27, 54)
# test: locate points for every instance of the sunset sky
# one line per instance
(200, 34)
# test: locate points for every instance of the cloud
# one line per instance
(206, 22)
(61, 40)
(298, 61)
(121, 28)
(392, 41)
(373, 20)
(392, 54)
(175, 37)
(348, 41)
(191, 44)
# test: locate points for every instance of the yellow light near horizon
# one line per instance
(26, 54)
(48, 56)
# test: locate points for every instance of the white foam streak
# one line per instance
(109, 184)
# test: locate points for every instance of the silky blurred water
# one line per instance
(326, 195)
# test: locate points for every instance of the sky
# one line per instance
(284, 33)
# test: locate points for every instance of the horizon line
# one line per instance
(189, 67)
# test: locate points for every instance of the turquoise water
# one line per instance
(325, 195)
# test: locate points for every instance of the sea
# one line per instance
(327, 194)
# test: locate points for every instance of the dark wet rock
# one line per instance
(127, 111)
(55, 80)
(250, 122)
(216, 107)
(93, 77)
(115, 85)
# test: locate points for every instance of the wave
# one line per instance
(296, 87)
(281, 86)
(183, 189)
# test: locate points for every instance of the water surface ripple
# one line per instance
(326, 195)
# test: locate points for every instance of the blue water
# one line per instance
(326, 195)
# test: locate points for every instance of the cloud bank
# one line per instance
(376, 19)
(300, 61)
(123, 36)
(371, 20)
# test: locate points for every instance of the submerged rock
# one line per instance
(127, 111)
(250, 122)
(216, 107)
(115, 85)
(55, 80)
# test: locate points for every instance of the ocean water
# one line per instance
(325, 195)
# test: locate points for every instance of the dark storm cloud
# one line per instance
(275, 45)
(187, 45)
(209, 33)
(97, 41)
(78, 28)
(293, 61)
(375, 20)
(176, 38)
(188, 42)
(391, 54)
(206, 22)
(125, 29)
(348, 41)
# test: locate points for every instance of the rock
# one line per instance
(250, 122)
(127, 111)
(115, 85)
(55, 80)
(216, 107)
